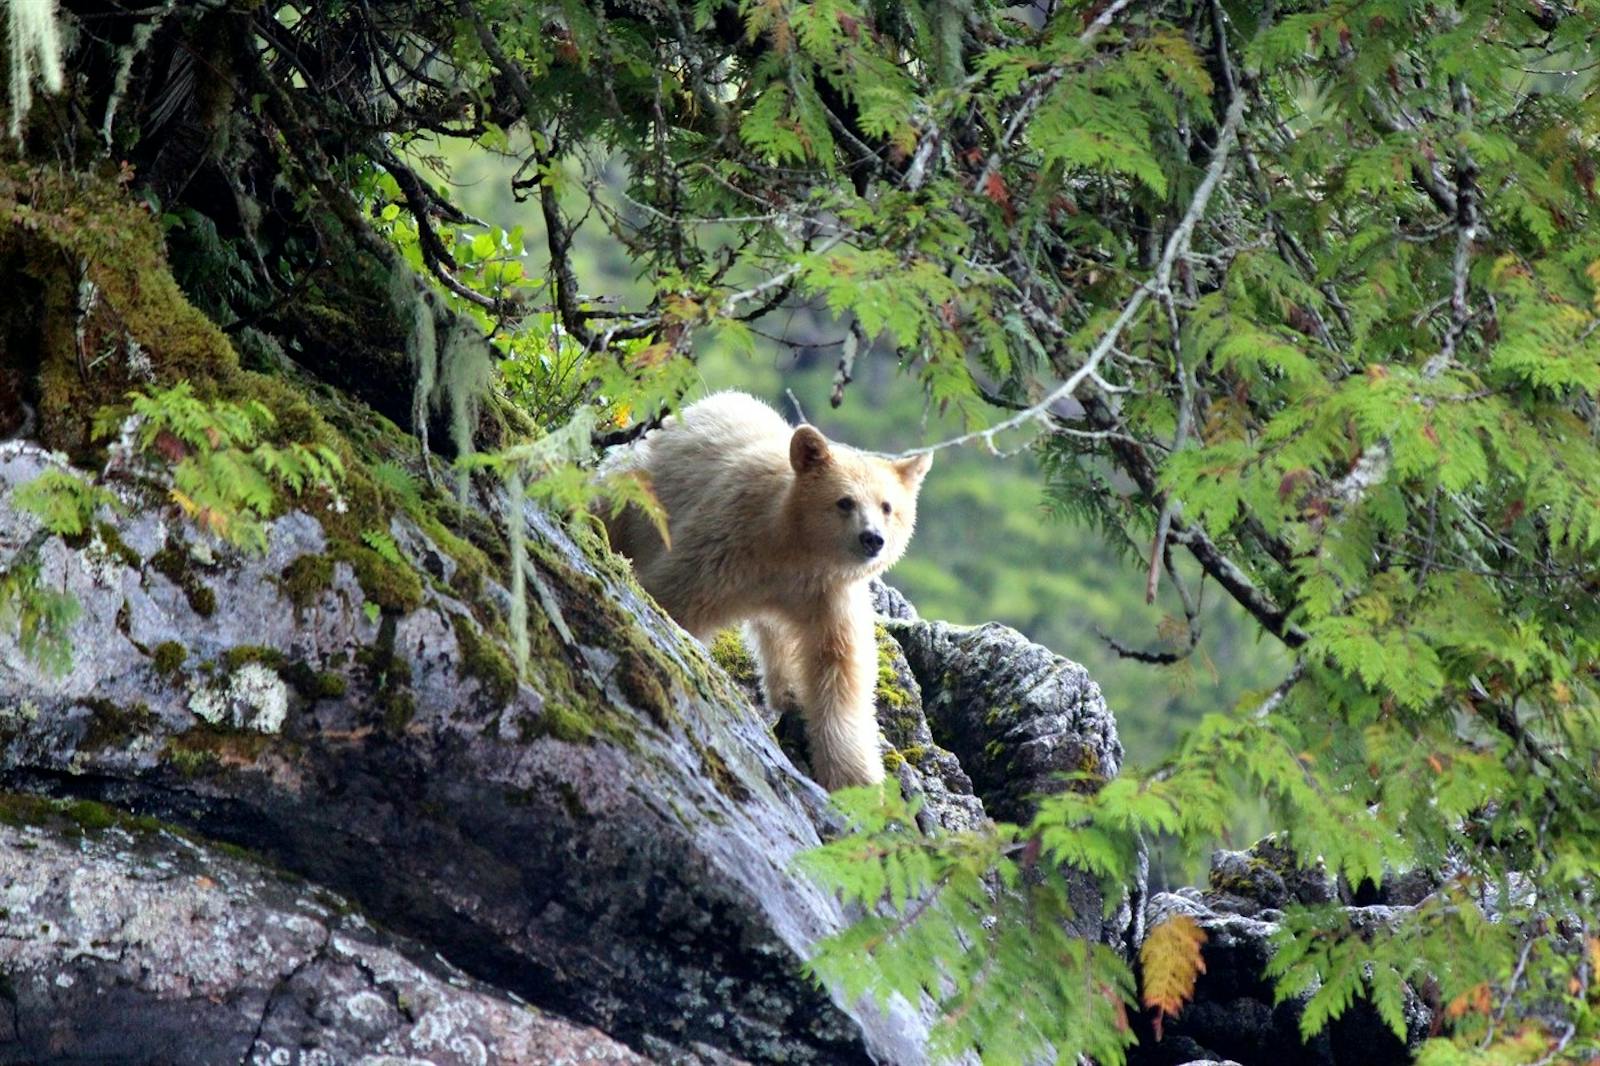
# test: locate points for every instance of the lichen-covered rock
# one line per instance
(1265, 877)
(610, 838)
(923, 768)
(1015, 714)
(126, 943)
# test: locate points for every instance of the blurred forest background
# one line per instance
(993, 542)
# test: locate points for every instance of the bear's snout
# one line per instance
(872, 542)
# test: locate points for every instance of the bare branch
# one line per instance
(1176, 245)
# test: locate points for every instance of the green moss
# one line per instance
(90, 816)
(168, 657)
(644, 690)
(243, 654)
(392, 586)
(20, 809)
(383, 666)
(331, 685)
(111, 725)
(176, 565)
(892, 761)
(189, 763)
(562, 723)
(889, 691)
(76, 223)
(729, 652)
(305, 579)
(399, 707)
(482, 661)
(117, 546)
(915, 754)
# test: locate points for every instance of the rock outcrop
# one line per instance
(608, 837)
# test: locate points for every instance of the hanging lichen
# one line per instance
(467, 374)
(34, 46)
(516, 527)
(421, 349)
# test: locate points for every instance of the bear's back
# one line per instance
(721, 444)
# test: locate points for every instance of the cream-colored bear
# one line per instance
(778, 528)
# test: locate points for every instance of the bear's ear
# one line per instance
(914, 469)
(808, 450)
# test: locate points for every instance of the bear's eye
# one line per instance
(886, 507)
(846, 504)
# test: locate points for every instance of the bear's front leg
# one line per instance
(838, 669)
(777, 650)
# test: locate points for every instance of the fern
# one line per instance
(224, 474)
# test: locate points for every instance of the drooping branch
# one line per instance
(1178, 243)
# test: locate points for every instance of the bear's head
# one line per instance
(856, 510)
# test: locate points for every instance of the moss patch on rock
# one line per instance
(168, 658)
(175, 564)
(484, 663)
(305, 580)
(729, 652)
(19, 809)
(392, 586)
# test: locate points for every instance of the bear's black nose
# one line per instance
(872, 541)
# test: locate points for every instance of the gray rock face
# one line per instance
(610, 840)
(1015, 714)
(890, 602)
(610, 837)
(133, 945)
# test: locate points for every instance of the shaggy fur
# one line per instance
(777, 527)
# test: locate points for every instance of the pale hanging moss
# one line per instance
(466, 377)
(421, 349)
(34, 43)
(516, 527)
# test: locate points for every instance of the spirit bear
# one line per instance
(779, 528)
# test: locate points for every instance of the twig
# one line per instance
(1177, 243)
(780, 279)
(1158, 547)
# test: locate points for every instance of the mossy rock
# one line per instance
(484, 663)
(176, 564)
(168, 658)
(728, 651)
(305, 579)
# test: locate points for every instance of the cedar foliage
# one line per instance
(1324, 281)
